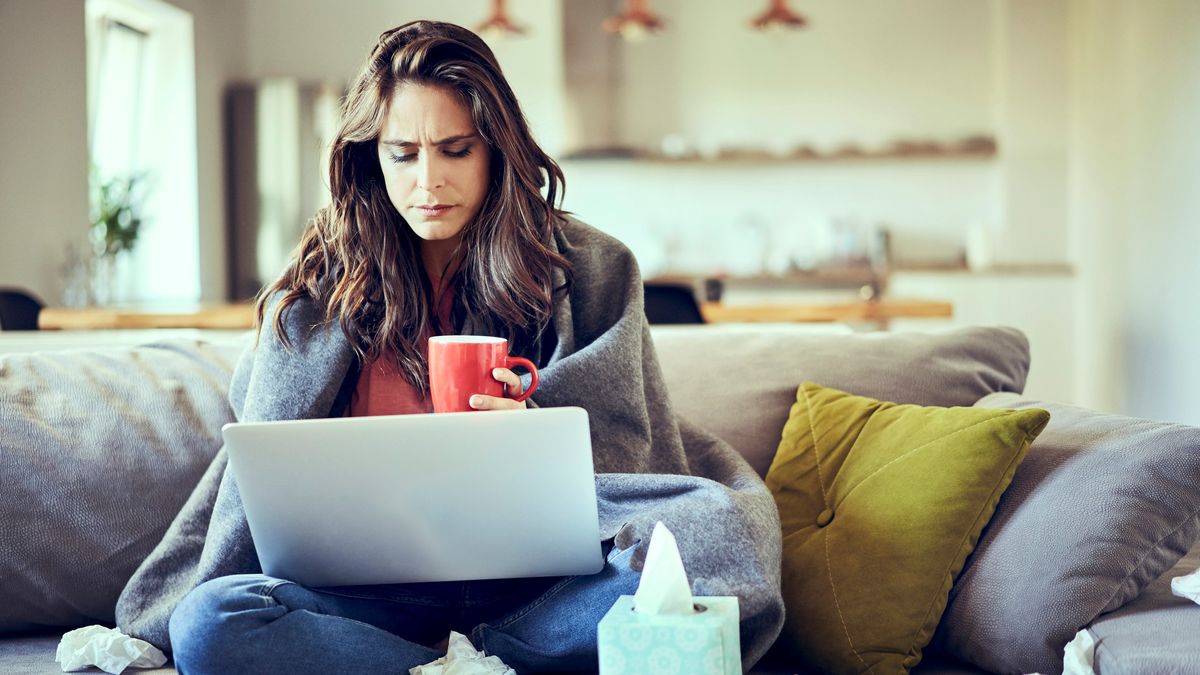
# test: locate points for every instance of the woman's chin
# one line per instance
(435, 231)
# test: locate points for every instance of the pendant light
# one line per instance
(778, 15)
(635, 22)
(498, 25)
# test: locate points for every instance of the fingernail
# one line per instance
(495, 372)
(475, 401)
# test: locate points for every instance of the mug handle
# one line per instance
(510, 361)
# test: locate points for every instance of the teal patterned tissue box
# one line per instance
(704, 643)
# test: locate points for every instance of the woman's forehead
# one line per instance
(425, 114)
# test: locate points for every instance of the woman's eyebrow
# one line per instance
(445, 141)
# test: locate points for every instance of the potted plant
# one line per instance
(116, 222)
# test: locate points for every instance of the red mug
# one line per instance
(461, 366)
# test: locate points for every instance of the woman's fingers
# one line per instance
(513, 387)
(508, 377)
(485, 402)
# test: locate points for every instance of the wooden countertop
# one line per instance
(227, 317)
(869, 310)
(241, 316)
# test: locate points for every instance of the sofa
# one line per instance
(100, 446)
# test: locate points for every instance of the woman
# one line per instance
(438, 224)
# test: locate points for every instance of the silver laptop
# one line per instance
(415, 498)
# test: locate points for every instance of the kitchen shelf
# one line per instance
(832, 275)
(998, 270)
(909, 151)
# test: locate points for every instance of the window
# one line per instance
(120, 83)
(142, 122)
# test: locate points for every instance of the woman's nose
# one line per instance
(430, 172)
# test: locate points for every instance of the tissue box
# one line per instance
(704, 643)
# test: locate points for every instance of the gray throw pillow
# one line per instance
(1102, 506)
(98, 451)
(739, 382)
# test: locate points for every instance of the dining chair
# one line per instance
(19, 309)
(671, 303)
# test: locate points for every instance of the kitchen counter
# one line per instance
(877, 311)
(223, 317)
(241, 316)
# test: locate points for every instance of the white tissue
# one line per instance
(462, 659)
(664, 587)
(1187, 586)
(1079, 655)
(108, 649)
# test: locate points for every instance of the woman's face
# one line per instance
(435, 164)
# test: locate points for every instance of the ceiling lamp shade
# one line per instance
(498, 25)
(635, 22)
(778, 15)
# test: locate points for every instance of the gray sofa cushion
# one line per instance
(33, 654)
(1156, 633)
(98, 451)
(739, 382)
(1101, 506)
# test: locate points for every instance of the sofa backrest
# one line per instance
(740, 381)
(100, 448)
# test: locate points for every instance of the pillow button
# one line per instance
(824, 518)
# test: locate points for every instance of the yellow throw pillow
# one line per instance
(881, 504)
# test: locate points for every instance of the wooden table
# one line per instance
(239, 316)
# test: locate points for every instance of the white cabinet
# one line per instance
(1039, 303)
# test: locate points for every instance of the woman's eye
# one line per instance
(459, 153)
(399, 159)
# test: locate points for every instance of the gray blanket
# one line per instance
(650, 464)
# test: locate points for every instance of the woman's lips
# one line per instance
(433, 211)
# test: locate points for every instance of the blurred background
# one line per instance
(1034, 163)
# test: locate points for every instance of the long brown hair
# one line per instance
(359, 258)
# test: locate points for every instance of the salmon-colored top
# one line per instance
(383, 390)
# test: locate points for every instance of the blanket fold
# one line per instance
(650, 464)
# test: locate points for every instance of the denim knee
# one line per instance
(557, 632)
(210, 624)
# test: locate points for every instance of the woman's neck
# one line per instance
(440, 259)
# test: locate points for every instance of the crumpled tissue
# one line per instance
(108, 649)
(1187, 586)
(663, 629)
(462, 659)
(1080, 654)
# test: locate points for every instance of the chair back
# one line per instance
(19, 309)
(671, 303)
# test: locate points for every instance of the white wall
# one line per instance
(1135, 208)
(1031, 84)
(1162, 359)
(867, 72)
(328, 41)
(43, 141)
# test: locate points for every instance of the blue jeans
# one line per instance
(252, 623)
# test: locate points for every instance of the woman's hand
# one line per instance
(508, 377)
